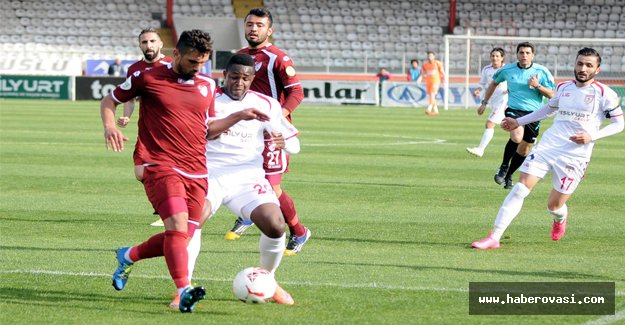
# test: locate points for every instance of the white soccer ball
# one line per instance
(254, 285)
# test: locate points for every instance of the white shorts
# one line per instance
(567, 172)
(241, 192)
(498, 109)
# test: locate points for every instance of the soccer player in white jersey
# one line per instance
(580, 107)
(235, 165)
(498, 100)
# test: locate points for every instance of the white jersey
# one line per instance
(500, 96)
(578, 109)
(242, 145)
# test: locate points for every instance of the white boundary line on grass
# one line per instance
(408, 140)
(609, 319)
(164, 277)
(621, 314)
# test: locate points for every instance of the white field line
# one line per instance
(311, 284)
(609, 319)
(305, 283)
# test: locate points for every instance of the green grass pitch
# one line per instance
(391, 196)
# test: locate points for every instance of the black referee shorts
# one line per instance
(530, 131)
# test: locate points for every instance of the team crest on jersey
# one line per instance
(203, 90)
(290, 71)
(126, 85)
(589, 99)
(257, 65)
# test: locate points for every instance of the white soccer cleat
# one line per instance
(475, 151)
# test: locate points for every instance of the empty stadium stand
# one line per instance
(320, 35)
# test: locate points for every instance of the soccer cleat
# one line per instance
(558, 229)
(282, 297)
(189, 297)
(476, 152)
(240, 226)
(120, 277)
(158, 223)
(508, 184)
(486, 243)
(500, 177)
(296, 243)
(175, 303)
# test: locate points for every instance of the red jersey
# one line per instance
(141, 65)
(173, 126)
(276, 76)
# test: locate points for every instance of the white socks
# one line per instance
(193, 248)
(271, 251)
(486, 137)
(560, 214)
(509, 209)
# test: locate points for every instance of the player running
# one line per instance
(498, 100)
(275, 77)
(580, 106)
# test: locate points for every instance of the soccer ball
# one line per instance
(254, 285)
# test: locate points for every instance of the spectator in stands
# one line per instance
(414, 72)
(432, 69)
(115, 69)
(382, 76)
(528, 84)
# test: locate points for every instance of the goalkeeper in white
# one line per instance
(580, 107)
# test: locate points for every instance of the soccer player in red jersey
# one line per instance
(177, 102)
(275, 77)
(150, 44)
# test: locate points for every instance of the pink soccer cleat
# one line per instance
(282, 297)
(486, 243)
(558, 229)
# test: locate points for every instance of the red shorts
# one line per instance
(171, 193)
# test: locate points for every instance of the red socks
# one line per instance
(290, 215)
(172, 245)
(176, 256)
(153, 247)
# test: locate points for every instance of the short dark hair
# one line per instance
(261, 12)
(149, 30)
(500, 50)
(587, 51)
(195, 39)
(241, 59)
(526, 44)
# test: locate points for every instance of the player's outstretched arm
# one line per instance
(113, 137)
(217, 127)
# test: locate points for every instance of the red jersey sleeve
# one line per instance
(129, 89)
(293, 90)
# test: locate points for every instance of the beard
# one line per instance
(589, 76)
(253, 43)
(150, 56)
